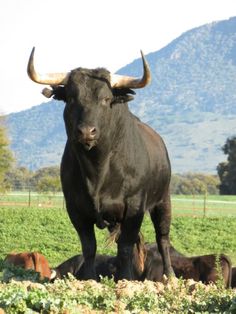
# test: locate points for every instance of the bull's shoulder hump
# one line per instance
(147, 131)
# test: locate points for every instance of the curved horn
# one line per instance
(46, 79)
(120, 81)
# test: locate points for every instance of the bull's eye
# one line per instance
(106, 101)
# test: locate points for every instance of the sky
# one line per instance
(72, 33)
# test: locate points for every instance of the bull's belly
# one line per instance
(109, 213)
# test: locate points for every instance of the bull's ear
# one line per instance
(47, 92)
(122, 95)
(121, 99)
(57, 92)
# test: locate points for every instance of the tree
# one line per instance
(194, 183)
(19, 178)
(47, 179)
(6, 157)
(49, 184)
(227, 170)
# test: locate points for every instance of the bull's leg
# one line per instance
(89, 247)
(161, 218)
(129, 236)
(85, 230)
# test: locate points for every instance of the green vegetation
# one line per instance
(48, 179)
(194, 184)
(42, 180)
(204, 205)
(49, 231)
(182, 205)
(6, 157)
(73, 297)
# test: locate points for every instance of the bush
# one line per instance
(194, 183)
(73, 296)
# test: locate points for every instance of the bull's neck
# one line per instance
(94, 167)
(112, 142)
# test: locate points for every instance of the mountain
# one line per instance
(37, 135)
(191, 102)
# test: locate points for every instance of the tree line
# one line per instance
(48, 178)
(43, 180)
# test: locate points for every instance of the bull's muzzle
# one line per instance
(87, 135)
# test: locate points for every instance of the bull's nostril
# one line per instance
(93, 131)
(80, 131)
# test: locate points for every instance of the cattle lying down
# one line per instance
(31, 260)
(233, 283)
(105, 266)
(200, 268)
(152, 250)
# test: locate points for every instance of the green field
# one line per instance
(204, 205)
(49, 231)
(182, 205)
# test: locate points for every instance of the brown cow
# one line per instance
(31, 260)
(233, 283)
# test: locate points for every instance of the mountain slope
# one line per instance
(38, 135)
(191, 102)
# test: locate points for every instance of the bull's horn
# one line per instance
(120, 81)
(46, 79)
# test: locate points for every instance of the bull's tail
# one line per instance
(140, 252)
(114, 235)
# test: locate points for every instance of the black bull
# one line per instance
(114, 167)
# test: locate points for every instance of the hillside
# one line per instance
(191, 102)
(38, 135)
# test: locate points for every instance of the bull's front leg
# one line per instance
(85, 230)
(125, 251)
(88, 242)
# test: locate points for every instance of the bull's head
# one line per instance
(89, 96)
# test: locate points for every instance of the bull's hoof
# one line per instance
(169, 273)
(85, 273)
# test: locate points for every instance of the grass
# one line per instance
(204, 205)
(49, 231)
(32, 199)
(184, 205)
